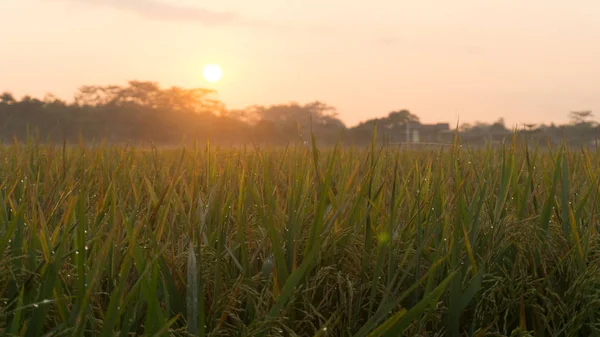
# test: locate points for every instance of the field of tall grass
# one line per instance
(298, 241)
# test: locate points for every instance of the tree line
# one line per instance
(142, 112)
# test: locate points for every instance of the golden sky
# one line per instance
(524, 60)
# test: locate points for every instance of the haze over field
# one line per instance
(527, 61)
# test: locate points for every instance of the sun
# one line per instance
(213, 73)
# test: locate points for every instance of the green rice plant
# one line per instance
(296, 241)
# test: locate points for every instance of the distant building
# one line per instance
(483, 136)
(428, 133)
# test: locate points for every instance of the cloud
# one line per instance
(168, 12)
(160, 10)
(165, 11)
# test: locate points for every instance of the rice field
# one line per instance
(298, 241)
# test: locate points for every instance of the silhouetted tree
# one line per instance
(7, 98)
(294, 121)
(143, 111)
(498, 126)
(400, 118)
(392, 127)
(580, 117)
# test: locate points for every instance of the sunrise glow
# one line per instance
(212, 73)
